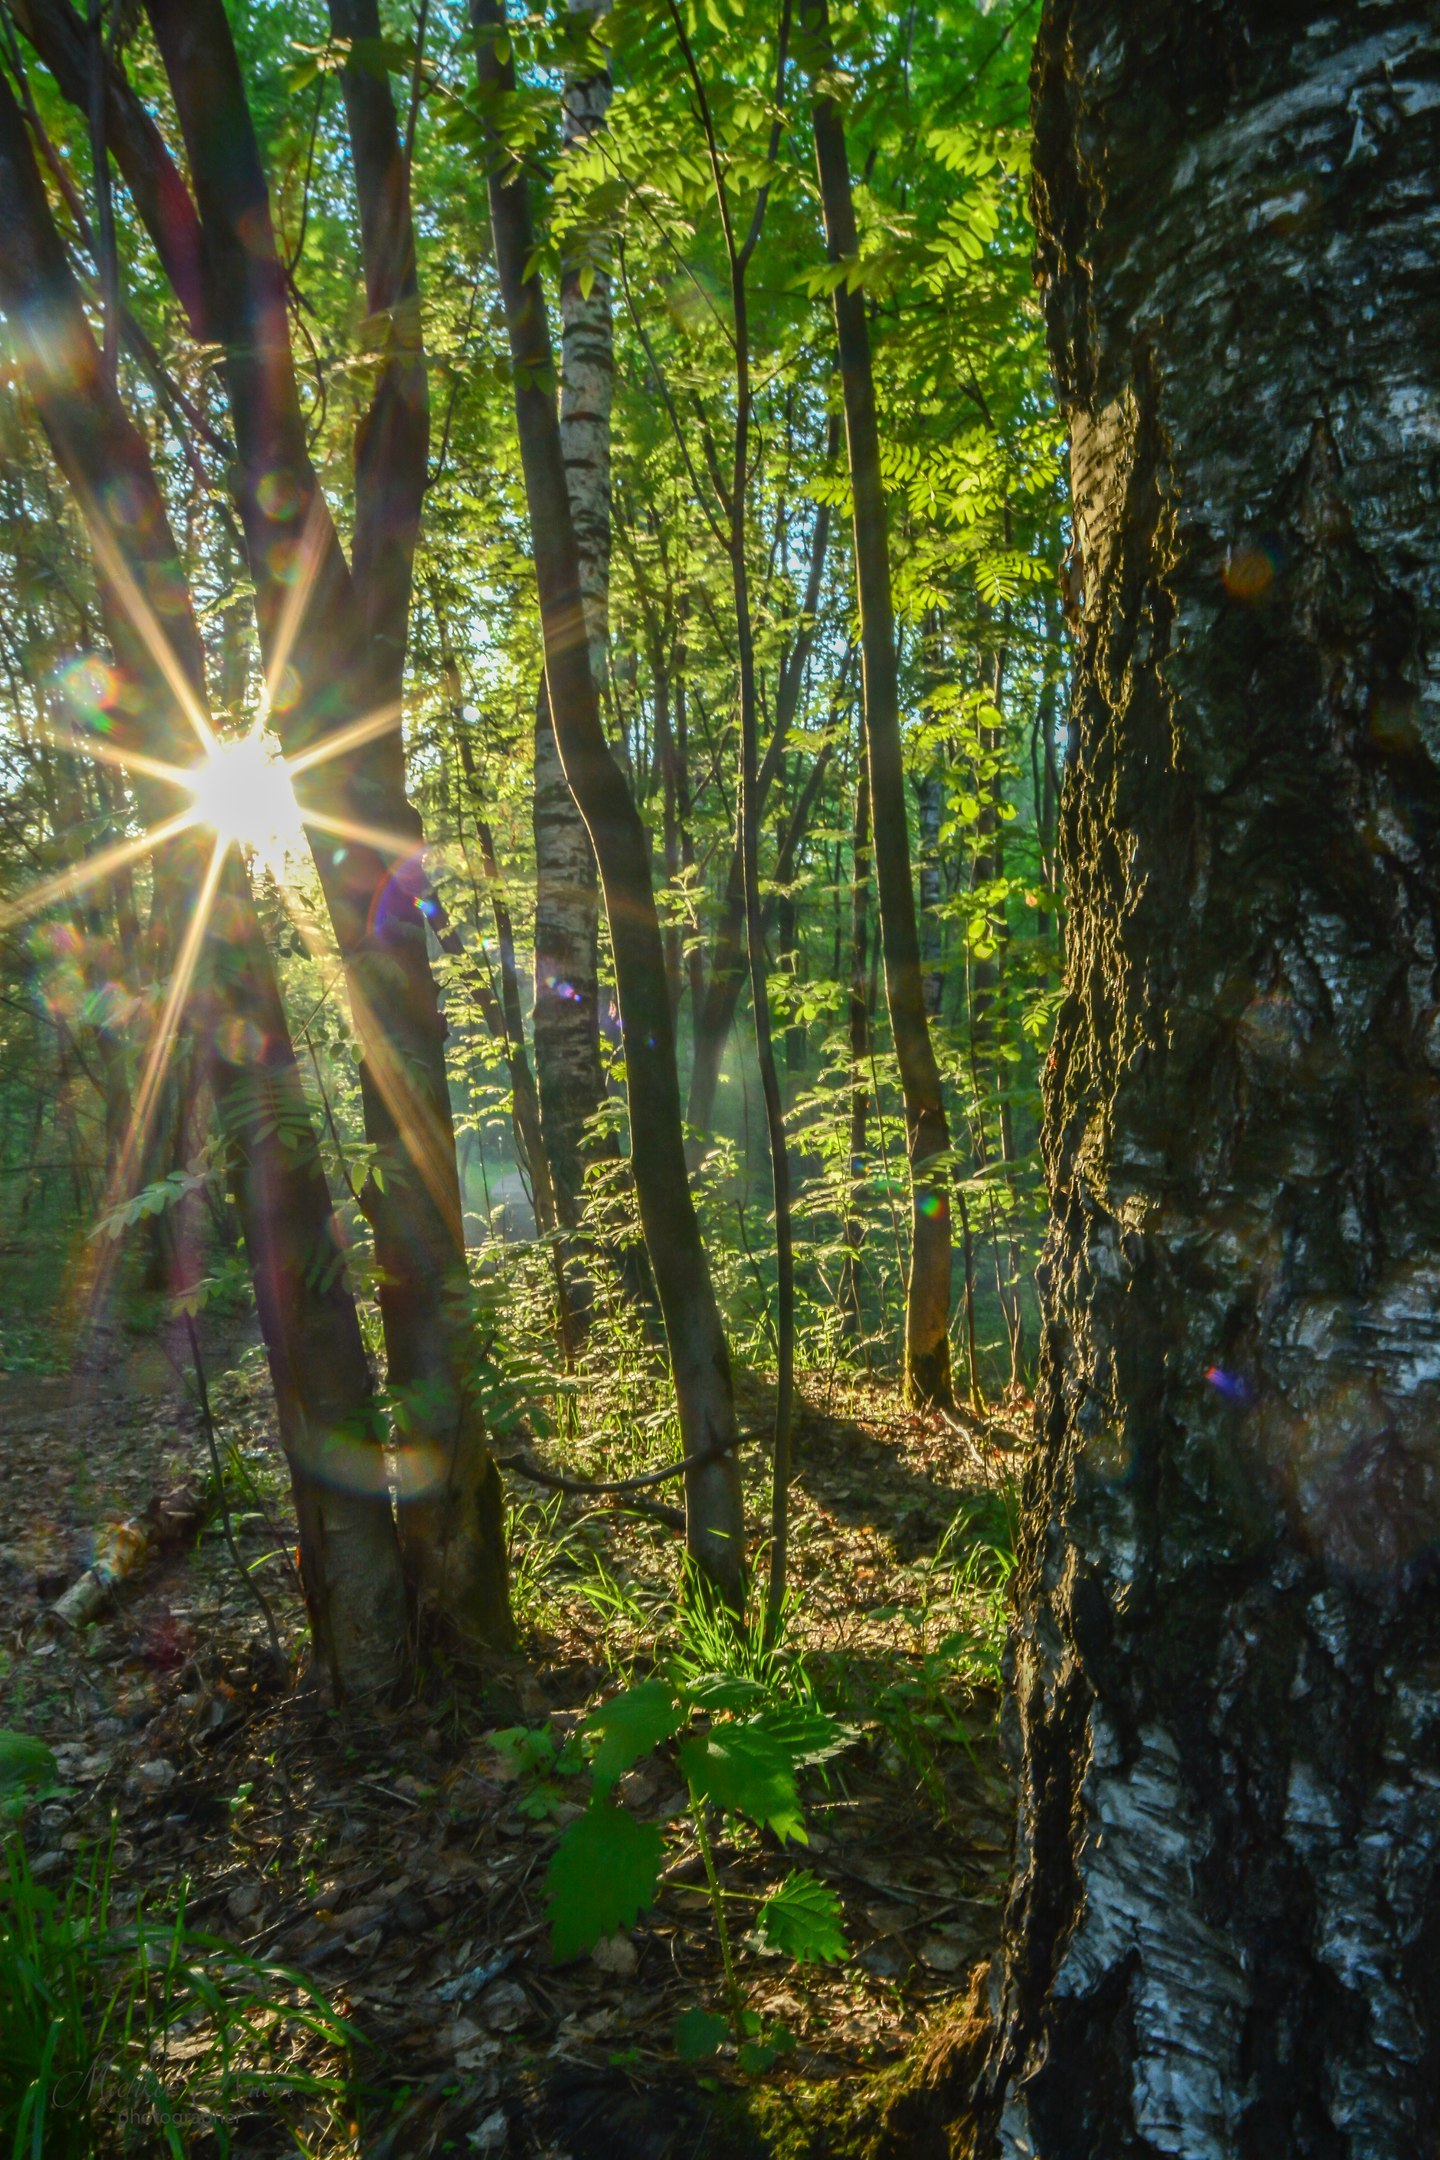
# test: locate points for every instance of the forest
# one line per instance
(719, 1079)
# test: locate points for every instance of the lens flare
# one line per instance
(242, 792)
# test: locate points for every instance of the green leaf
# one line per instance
(606, 1869)
(527, 1748)
(629, 1726)
(802, 1920)
(807, 1736)
(699, 2034)
(725, 1691)
(741, 1770)
(28, 1770)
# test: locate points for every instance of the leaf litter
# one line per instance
(402, 1858)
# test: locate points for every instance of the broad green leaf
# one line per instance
(725, 1691)
(807, 1736)
(699, 2034)
(802, 1920)
(629, 1726)
(606, 1869)
(741, 1770)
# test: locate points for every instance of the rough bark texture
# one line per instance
(1223, 1941)
(567, 967)
(567, 894)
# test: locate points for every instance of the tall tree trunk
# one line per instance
(330, 649)
(1223, 1938)
(328, 1417)
(699, 1353)
(989, 1070)
(715, 1016)
(932, 807)
(751, 807)
(567, 901)
(927, 1139)
(858, 1017)
(350, 1560)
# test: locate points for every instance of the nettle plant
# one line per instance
(740, 1752)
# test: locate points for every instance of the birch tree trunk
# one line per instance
(1223, 1930)
(567, 897)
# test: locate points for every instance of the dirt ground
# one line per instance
(399, 1860)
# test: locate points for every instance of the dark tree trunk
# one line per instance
(727, 974)
(332, 649)
(699, 1352)
(858, 1022)
(350, 1561)
(927, 1139)
(1223, 1937)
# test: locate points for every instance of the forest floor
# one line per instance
(399, 1860)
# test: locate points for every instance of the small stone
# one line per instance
(504, 2005)
(471, 2047)
(615, 1954)
(244, 1901)
(492, 2135)
(944, 1954)
(156, 1776)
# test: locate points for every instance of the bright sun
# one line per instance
(243, 793)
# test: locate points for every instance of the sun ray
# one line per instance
(382, 721)
(375, 836)
(308, 549)
(420, 1134)
(91, 1291)
(162, 1040)
(65, 883)
(108, 753)
(151, 631)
